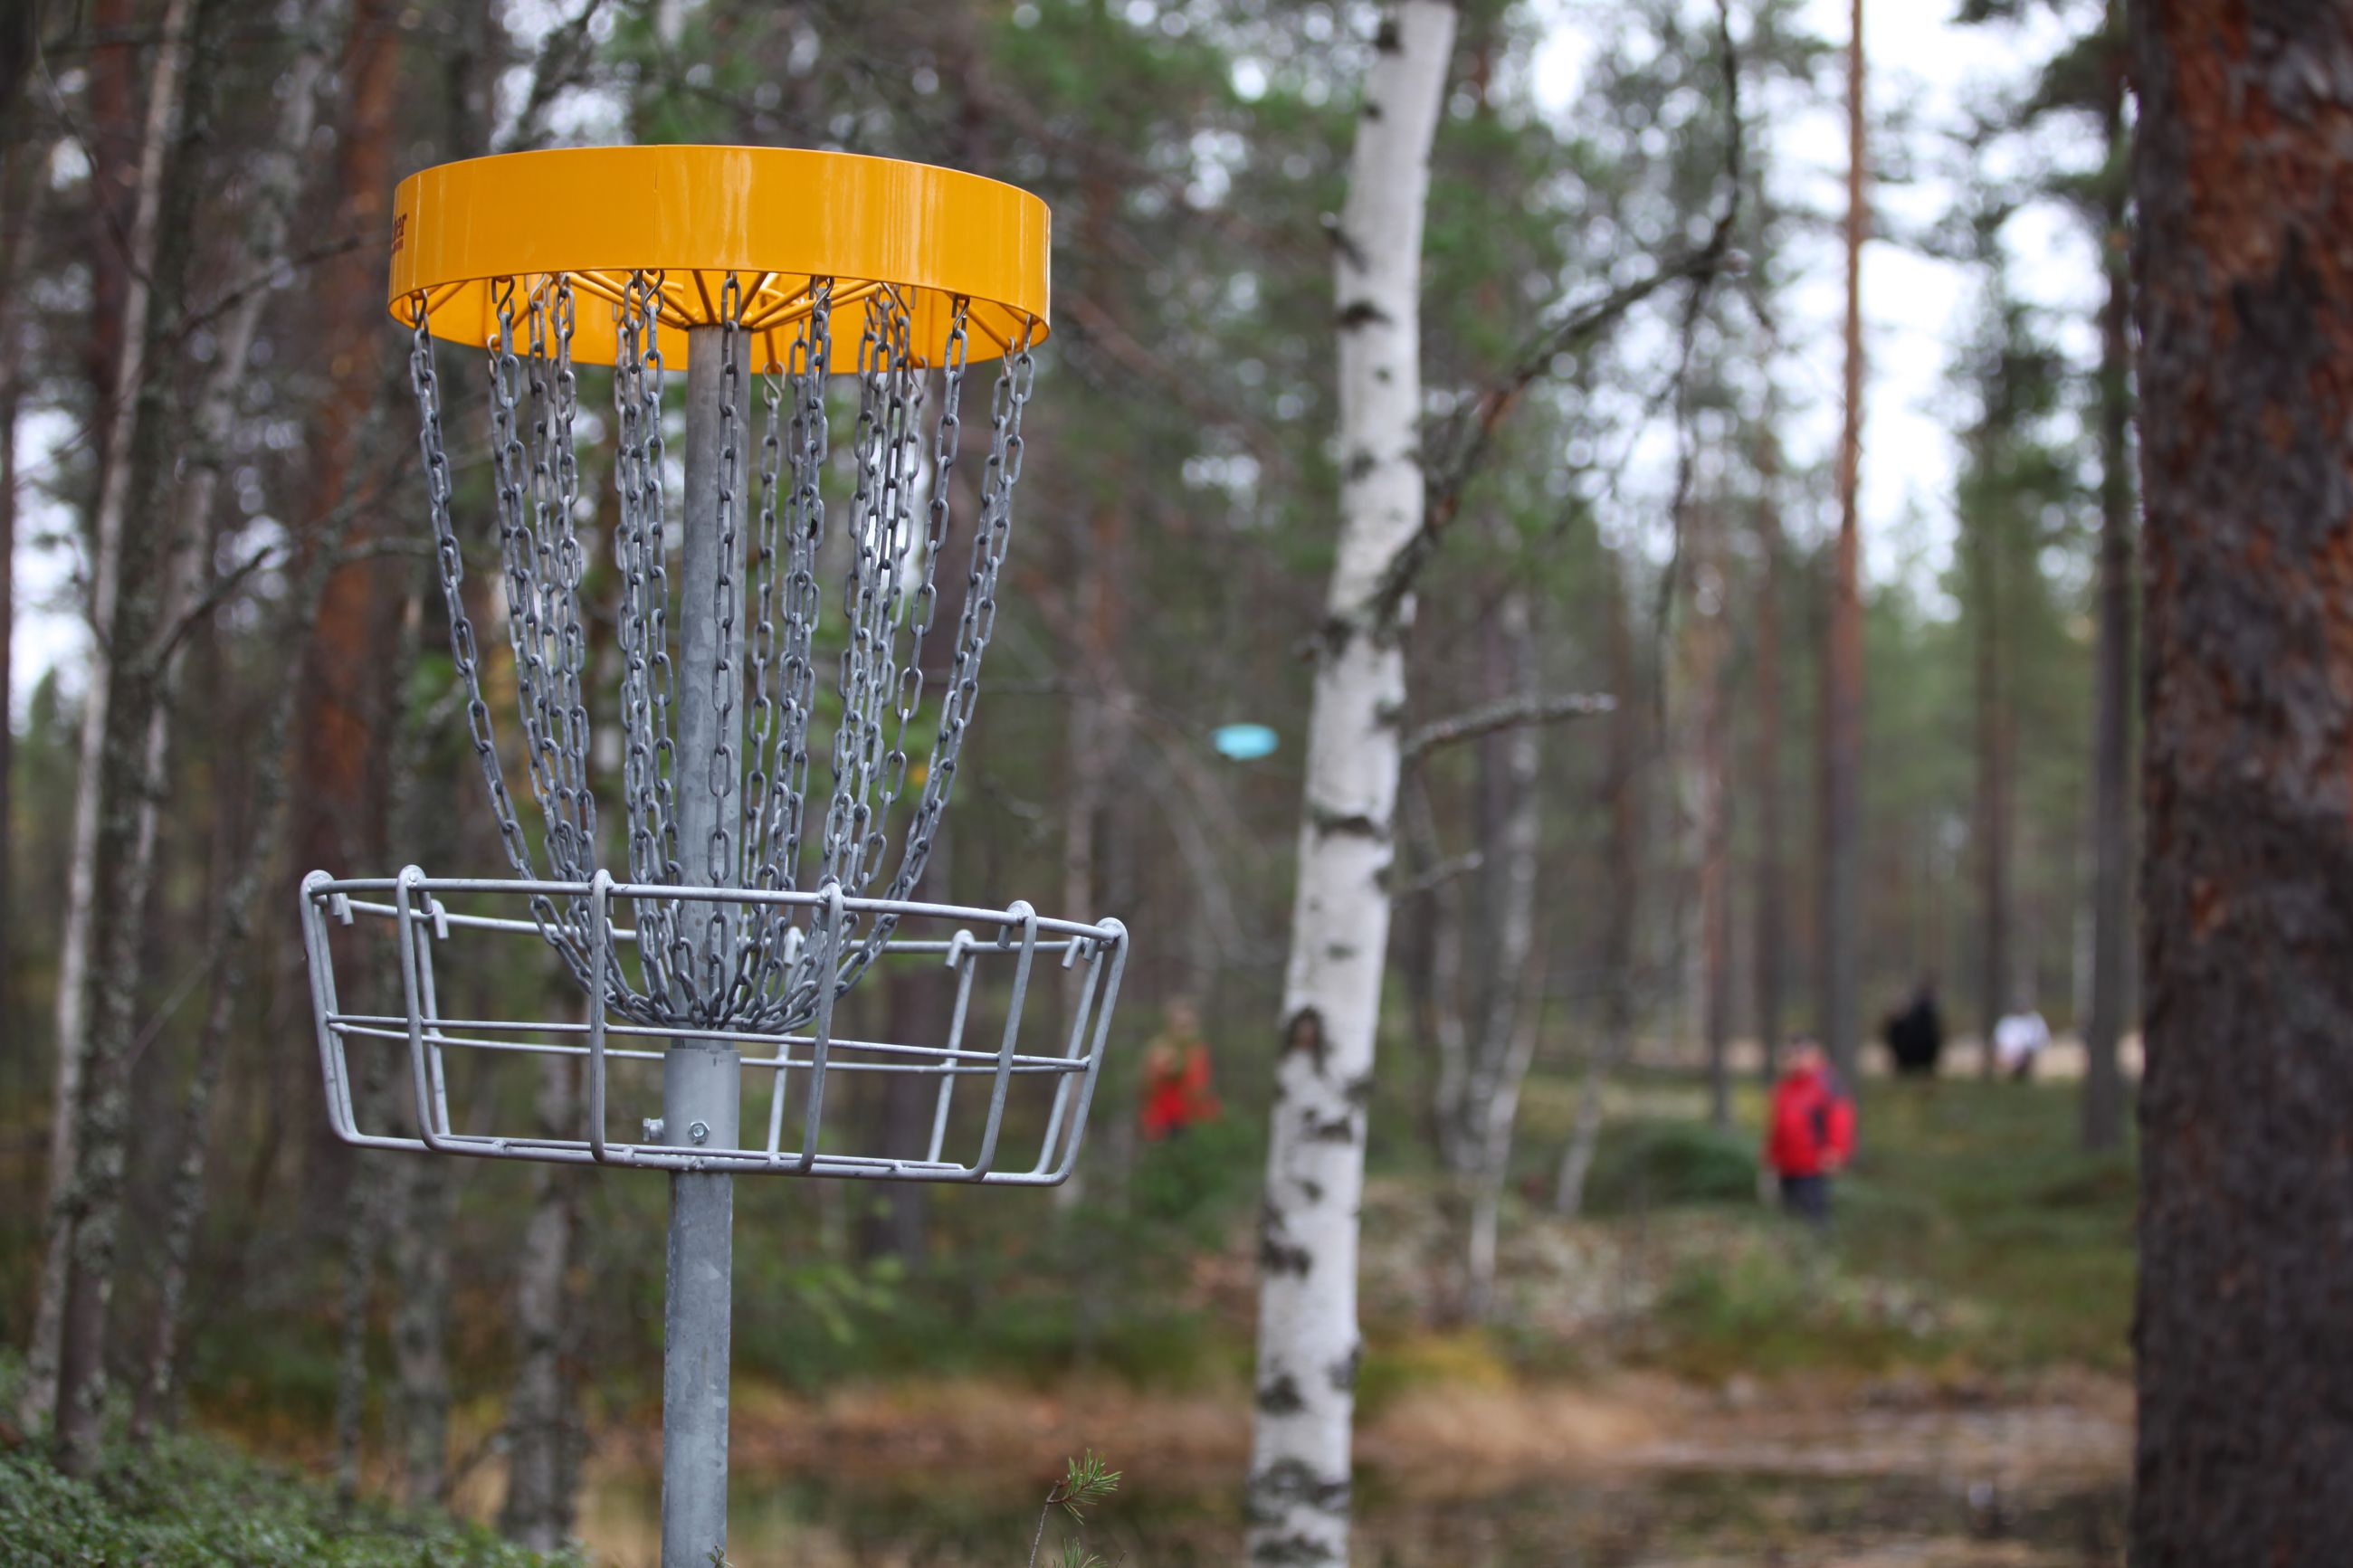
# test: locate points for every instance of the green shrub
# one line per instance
(1663, 1164)
(192, 1501)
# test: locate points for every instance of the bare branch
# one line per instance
(1455, 460)
(565, 57)
(1509, 713)
(1445, 871)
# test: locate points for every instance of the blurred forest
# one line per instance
(204, 410)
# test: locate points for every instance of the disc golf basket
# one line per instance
(739, 835)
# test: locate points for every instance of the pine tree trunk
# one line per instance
(1842, 661)
(542, 1414)
(124, 859)
(1510, 840)
(1993, 826)
(122, 303)
(2112, 804)
(20, 198)
(1624, 890)
(278, 186)
(1297, 1502)
(423, 1211)
(2243, 263)
(1709, 637)
(1770, 913)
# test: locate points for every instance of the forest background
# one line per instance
(1655, 517)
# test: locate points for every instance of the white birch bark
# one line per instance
(72, 1015)
(1307, 1340)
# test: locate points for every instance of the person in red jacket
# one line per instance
(1176, 1091)
(1808, 1132)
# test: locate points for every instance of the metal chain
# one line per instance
(450, 562)
(750, 968)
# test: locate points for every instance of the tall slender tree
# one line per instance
(122, 274)
(124, 850)
(2112, 802)
(1308, 1349)
(2243, 262)
(1842, 866)
(1771, 914)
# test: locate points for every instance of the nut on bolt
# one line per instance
(697, 1131)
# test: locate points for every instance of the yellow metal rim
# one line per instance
(777, 217)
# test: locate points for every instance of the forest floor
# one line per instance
(1679, 1378)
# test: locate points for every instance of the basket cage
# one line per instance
(1003, 1111)
(753, 885)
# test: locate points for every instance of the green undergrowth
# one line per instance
(194, 1502)
(1973, 1238)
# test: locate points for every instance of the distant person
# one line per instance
(1808, 1132)
(1916, 1036)
(1176, 1090)
(2020, 1039)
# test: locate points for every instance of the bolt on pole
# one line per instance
(701, 1082)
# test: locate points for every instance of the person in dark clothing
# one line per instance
(1808, 1132)
(1916, 1036)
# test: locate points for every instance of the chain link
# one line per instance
(751, 968)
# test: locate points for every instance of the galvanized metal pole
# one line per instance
(701, 1078)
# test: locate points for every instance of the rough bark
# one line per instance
(1096, 737)
(542, 1414)
(2243, 265)
(1842, 661)
(1502, 1044)
(20, 207)
(1297, 1500)
(20, 194)
(2104, 1090)
(1995, 748)
(1771, 915)
(1709, 637)
(121, 287)
(123, 857)
(1623, 797)
(344, 742)
(277, 185)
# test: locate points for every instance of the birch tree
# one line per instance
(1298, 1493)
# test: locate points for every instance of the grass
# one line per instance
(1973, 1236)
(191, 1502)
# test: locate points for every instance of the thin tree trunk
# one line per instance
(128, 326)
(345, 744)
(2112, 805)
(1842, 661)
(1620, 932)
(362, 1224)
(124, 856)
(2243, 263)
(1095, 741)
(1297, 1502)
(1510, 840)
(1771, 914)
(278, 187)
(542, 1415)
(421, 1318)
(20, 203)
(1993, 745)
(1711, 608)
